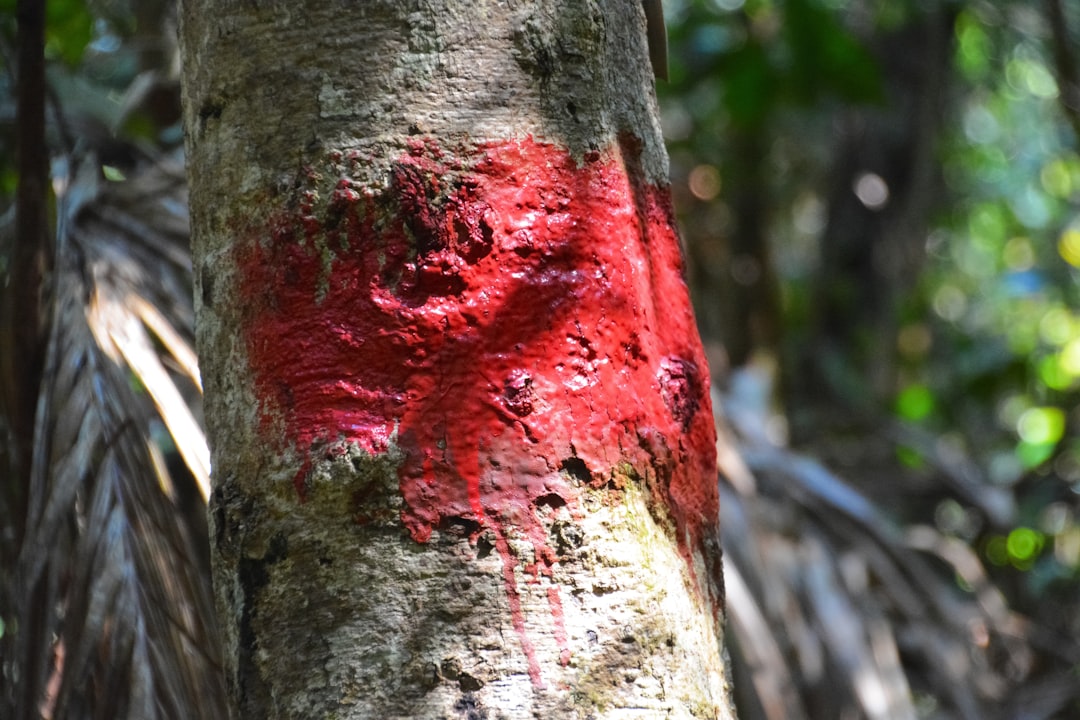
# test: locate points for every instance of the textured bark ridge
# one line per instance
(513, 323)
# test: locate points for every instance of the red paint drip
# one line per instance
(517, 617)
(509, 318)
(555, 603)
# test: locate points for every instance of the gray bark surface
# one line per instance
(325, 618)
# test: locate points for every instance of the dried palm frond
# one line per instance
(112, 608)
(838, 611)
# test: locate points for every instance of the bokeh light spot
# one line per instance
(1056, 326)
(704, 182)
(950, 302)
(1056, 178)
(915, 402)
(872, 190)
(1069, 246)
(1053, 375)
(914, 340)
(1041, 425)
(1069, 358)
(1024, 544)
(1018, 254)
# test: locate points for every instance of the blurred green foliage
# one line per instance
(1002, 286)
(69, 28)
(985, 335)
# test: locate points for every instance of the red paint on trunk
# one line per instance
(516, 322)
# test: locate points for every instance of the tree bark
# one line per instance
(463, 450)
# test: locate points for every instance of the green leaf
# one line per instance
(1032, 455)
(69, 29)
(826, 58)
(915, 402)
(910, 458)
(974, 51)
(749, 85)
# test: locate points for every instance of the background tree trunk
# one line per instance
(872, 250)
(459, 414)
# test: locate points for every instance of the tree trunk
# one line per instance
(871, 253)
(459, 414)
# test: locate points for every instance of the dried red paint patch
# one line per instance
(511, 317)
